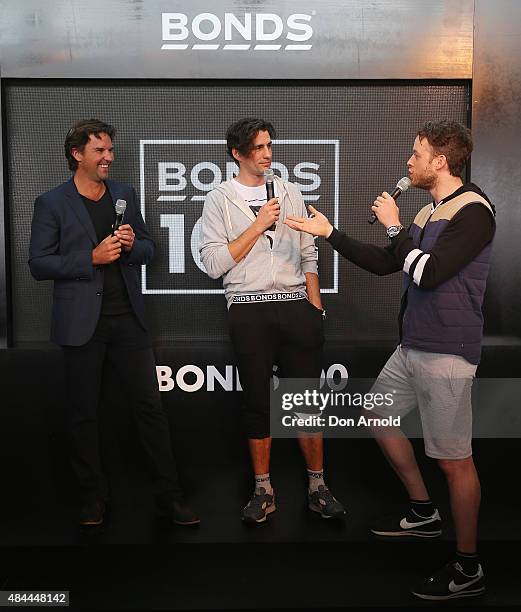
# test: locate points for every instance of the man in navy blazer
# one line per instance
(98, 313)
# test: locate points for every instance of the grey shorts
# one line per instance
(440, 386)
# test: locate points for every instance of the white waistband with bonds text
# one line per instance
(268, 297)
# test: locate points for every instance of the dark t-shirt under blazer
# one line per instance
(115, 297)
(62, 240)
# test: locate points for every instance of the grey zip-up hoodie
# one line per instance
(264, 270)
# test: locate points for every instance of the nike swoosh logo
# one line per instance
(404, 523)
(456, 588)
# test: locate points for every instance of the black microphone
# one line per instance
(402, 185)
(120, 207)
(270, 190)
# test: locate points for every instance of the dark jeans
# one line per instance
(289, 334)
(121, 340)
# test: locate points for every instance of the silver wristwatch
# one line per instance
(394, 230)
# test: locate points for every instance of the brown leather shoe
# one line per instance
(92, 513)
(178, 512)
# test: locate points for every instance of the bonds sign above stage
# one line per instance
(304, 39)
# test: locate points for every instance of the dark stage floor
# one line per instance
(296, 561)
(250, 576)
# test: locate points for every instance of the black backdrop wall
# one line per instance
(342, 142)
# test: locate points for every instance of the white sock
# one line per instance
(263, 480)
(315, 480)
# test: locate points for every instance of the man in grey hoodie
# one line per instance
(272, 290)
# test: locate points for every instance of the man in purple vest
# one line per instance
(444, 256)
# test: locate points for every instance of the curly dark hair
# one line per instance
(79, 134)
(241, 134)
(451, 139)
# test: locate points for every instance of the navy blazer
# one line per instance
(62, 241)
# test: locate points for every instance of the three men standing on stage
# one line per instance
(275, 313)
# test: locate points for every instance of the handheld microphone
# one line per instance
(120, 208)
(402, 185)
(270, 190)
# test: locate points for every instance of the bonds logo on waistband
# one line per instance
(176, 176)
(268, 297)
(230, 32)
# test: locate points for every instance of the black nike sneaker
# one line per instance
(451, 583)
(409, 524)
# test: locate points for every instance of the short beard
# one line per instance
(426, 182)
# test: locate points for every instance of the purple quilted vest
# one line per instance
(447, 319)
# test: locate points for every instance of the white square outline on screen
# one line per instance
(142, 143)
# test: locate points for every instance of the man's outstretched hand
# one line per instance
(317, 225)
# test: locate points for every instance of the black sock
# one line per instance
(469, 562)
(423, 509)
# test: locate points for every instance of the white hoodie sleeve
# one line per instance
(308, 253)
(215, 255)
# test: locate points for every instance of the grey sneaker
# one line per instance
(260, 505)
(323, 502)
